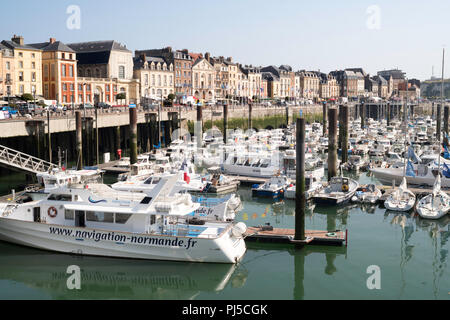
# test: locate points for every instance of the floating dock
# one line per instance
(286, 236)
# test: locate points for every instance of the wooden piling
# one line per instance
(117, 143)
(325, 117)
(133, 136)
(343, 133)
(79, 140)
(225, 122)
(300, 198)
(388, 114)
(332, 145)
(250, 122)
(287, 116)
(199, 126)
(363, 115)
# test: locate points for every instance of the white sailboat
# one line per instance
(401, 199)
(435, 205)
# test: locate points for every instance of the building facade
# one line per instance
(102, 67)
(27, 67)
(59, 72)
(7, 72)
(203, 79)
(156, 77)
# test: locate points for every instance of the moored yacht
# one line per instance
(77, 219)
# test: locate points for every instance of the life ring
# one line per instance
(52, 212)
(345, 188)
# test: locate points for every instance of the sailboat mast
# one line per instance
(442, 105)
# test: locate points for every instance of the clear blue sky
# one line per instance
(313, 35)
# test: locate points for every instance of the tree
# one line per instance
(27, 97)
(171, 97)
(121, 96)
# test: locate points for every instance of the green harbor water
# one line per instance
(412, 255)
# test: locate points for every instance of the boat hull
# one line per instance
(224, 249)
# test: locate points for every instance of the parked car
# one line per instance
(103, 105)
(10, 110)
(87, 106)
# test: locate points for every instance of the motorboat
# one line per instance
(313, 184)
(402, 199)
(219, 183)
(274, 188)
(86, 221)
(338, 191)
(367, 194)
(435, 205)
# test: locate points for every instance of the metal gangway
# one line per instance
(24, 162)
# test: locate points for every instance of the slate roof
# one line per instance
(56, 46)
(13, 45)
(98, 46)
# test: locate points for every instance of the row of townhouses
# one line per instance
(108, 72)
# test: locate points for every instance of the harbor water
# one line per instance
(411, 254)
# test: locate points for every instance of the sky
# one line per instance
(323, 35)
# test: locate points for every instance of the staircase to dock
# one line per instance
(23, 162)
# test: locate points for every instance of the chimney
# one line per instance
(229, 59)
(52, 40)
(185, 51)
(18, 40)
(207, 56)
(143, 57)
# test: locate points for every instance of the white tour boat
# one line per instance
(79, 219)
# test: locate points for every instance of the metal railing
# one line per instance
(23, 161)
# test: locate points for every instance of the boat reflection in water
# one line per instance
(104, 278)
(439, 233)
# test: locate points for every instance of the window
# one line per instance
(63, 55)
(121, 72)
(63, 70)
(107, 88)
(69, 215)
(64, 99)
(20, 54)
(60, 197)
(33, 55)
(122, 218)
(33, 76)
(21, 76)
(21, 64)
(153, 79)
(100, 216)
(64, 87)
(33, 65)
(8, 65)
(70, 71)
(72, 87)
